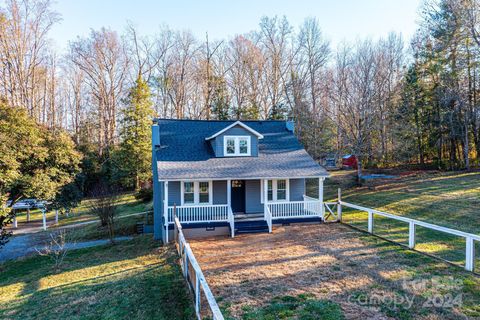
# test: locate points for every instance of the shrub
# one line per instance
(145, 194)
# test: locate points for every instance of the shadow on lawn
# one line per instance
(453, 206)
(145, 290)
(359, 269)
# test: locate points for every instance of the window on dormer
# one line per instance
(230, 142)
(236, 146)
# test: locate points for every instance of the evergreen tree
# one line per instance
(135, 151)
(34, 162)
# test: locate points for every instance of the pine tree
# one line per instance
(135, 153)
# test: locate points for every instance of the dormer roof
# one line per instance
(237, 123)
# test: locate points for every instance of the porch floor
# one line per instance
(330, 261)
(248, 216)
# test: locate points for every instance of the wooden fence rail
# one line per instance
(194, 275)
(470, 238)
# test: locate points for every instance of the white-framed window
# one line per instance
(196, 192)
(188, 192)
(236, 146)
(204, 192)
(278, 190)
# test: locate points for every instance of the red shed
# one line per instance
(349, 161)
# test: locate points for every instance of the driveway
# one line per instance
(31, 235)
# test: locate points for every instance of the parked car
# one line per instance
(23, 204)
(27, 204)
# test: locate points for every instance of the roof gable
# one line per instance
(237, 123)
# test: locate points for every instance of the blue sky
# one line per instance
(340, 20)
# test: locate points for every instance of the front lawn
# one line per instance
(133, 279)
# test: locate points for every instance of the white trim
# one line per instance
(240, 178)
(236, 140)
(239, 123)
(274, 191)
(196, 193)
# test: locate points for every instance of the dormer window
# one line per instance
(237, 146)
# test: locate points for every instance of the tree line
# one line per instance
(386, 101)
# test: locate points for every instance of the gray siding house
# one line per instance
(226, 177)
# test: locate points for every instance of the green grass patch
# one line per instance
(303, 307)
(449, 199)
(130, 280)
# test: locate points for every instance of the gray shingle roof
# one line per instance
(184, 153)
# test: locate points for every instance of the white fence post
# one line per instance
(44, 219)
(411, 234)
(56, 216)
(197, 293)
(339, 205)
(370, 221)
(469, 254)
(185, 262)
(15, 223)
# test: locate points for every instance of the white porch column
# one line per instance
(265, 196)
(320, 197)
(229, 193)
(165, 209)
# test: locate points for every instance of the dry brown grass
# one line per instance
(328, 261)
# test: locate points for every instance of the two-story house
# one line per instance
(226, 177)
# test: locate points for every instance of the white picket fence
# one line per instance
(194, 275)
(470, 238)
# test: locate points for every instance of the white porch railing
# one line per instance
(194, 277)
(296, 209)
(203, 213)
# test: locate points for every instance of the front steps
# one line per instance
(250, 223)
(251, 226)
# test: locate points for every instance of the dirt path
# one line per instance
(329, 261)
(25, 245)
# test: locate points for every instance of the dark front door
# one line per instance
(238, 196)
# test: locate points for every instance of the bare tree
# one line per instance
(274, 38)
(104, 205)
(103, 59)
(24, 27)
(57, 247)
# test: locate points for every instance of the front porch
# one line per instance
(247, 203)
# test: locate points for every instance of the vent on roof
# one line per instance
(290, 125)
